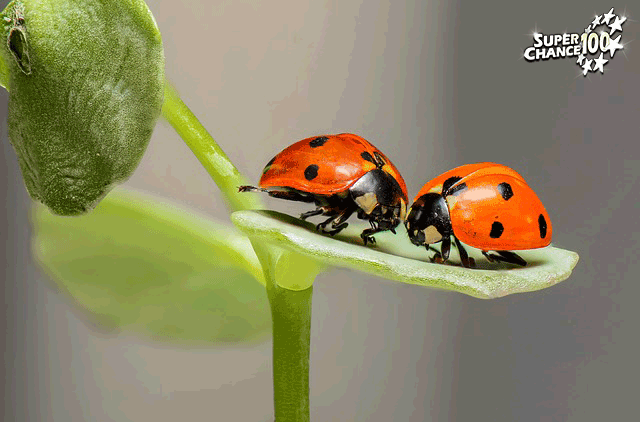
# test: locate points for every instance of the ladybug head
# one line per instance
(380, 198)
(428, 221)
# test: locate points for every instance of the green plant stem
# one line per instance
(291, 315)
(206, 149)
(290, 309)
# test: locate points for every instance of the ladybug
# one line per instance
(341, 174)
(487, 206)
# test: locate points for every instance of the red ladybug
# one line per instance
(341, 174)
(487, 206)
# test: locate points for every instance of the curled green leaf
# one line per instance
(86, 82)
(17, 39)
(148, 267)
(395, 258)
(17, 42)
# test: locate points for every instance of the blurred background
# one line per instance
(433, 84)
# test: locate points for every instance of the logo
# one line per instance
(590, 47)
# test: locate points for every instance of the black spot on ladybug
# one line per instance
(268, 166)
(366, 156)
(318, 142)
(448, 183)
(311, 172)
(505, 190)
(542, 224)
(496, 230)
(457, 189)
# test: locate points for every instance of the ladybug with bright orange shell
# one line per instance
(341, 174)
(487, 206)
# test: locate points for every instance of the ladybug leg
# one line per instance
(441, 256)
(250, 189)
(445, 248)
(322, 226)
(464, 256)
(512, 258)
(489, 257)
(366, 234)
(311, 213)
(338, 228)
(437, 257)
(281, 193)
(367, 238)
(337, 222)
(505, 256)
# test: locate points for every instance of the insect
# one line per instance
(487, 206)
(341, 174)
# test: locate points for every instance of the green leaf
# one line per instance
(394, 257)
(142, 265)
(86, 83)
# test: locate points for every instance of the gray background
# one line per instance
(434, 84)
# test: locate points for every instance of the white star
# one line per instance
(586, 67)
(614, 45)
(596, 21)
(599, 63)
(587, 29)
(608, 16)
(581, 58)
(617, 25)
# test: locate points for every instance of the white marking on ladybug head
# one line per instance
(451, 200)
(367, 202)
(403, 209)
(432, 235)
